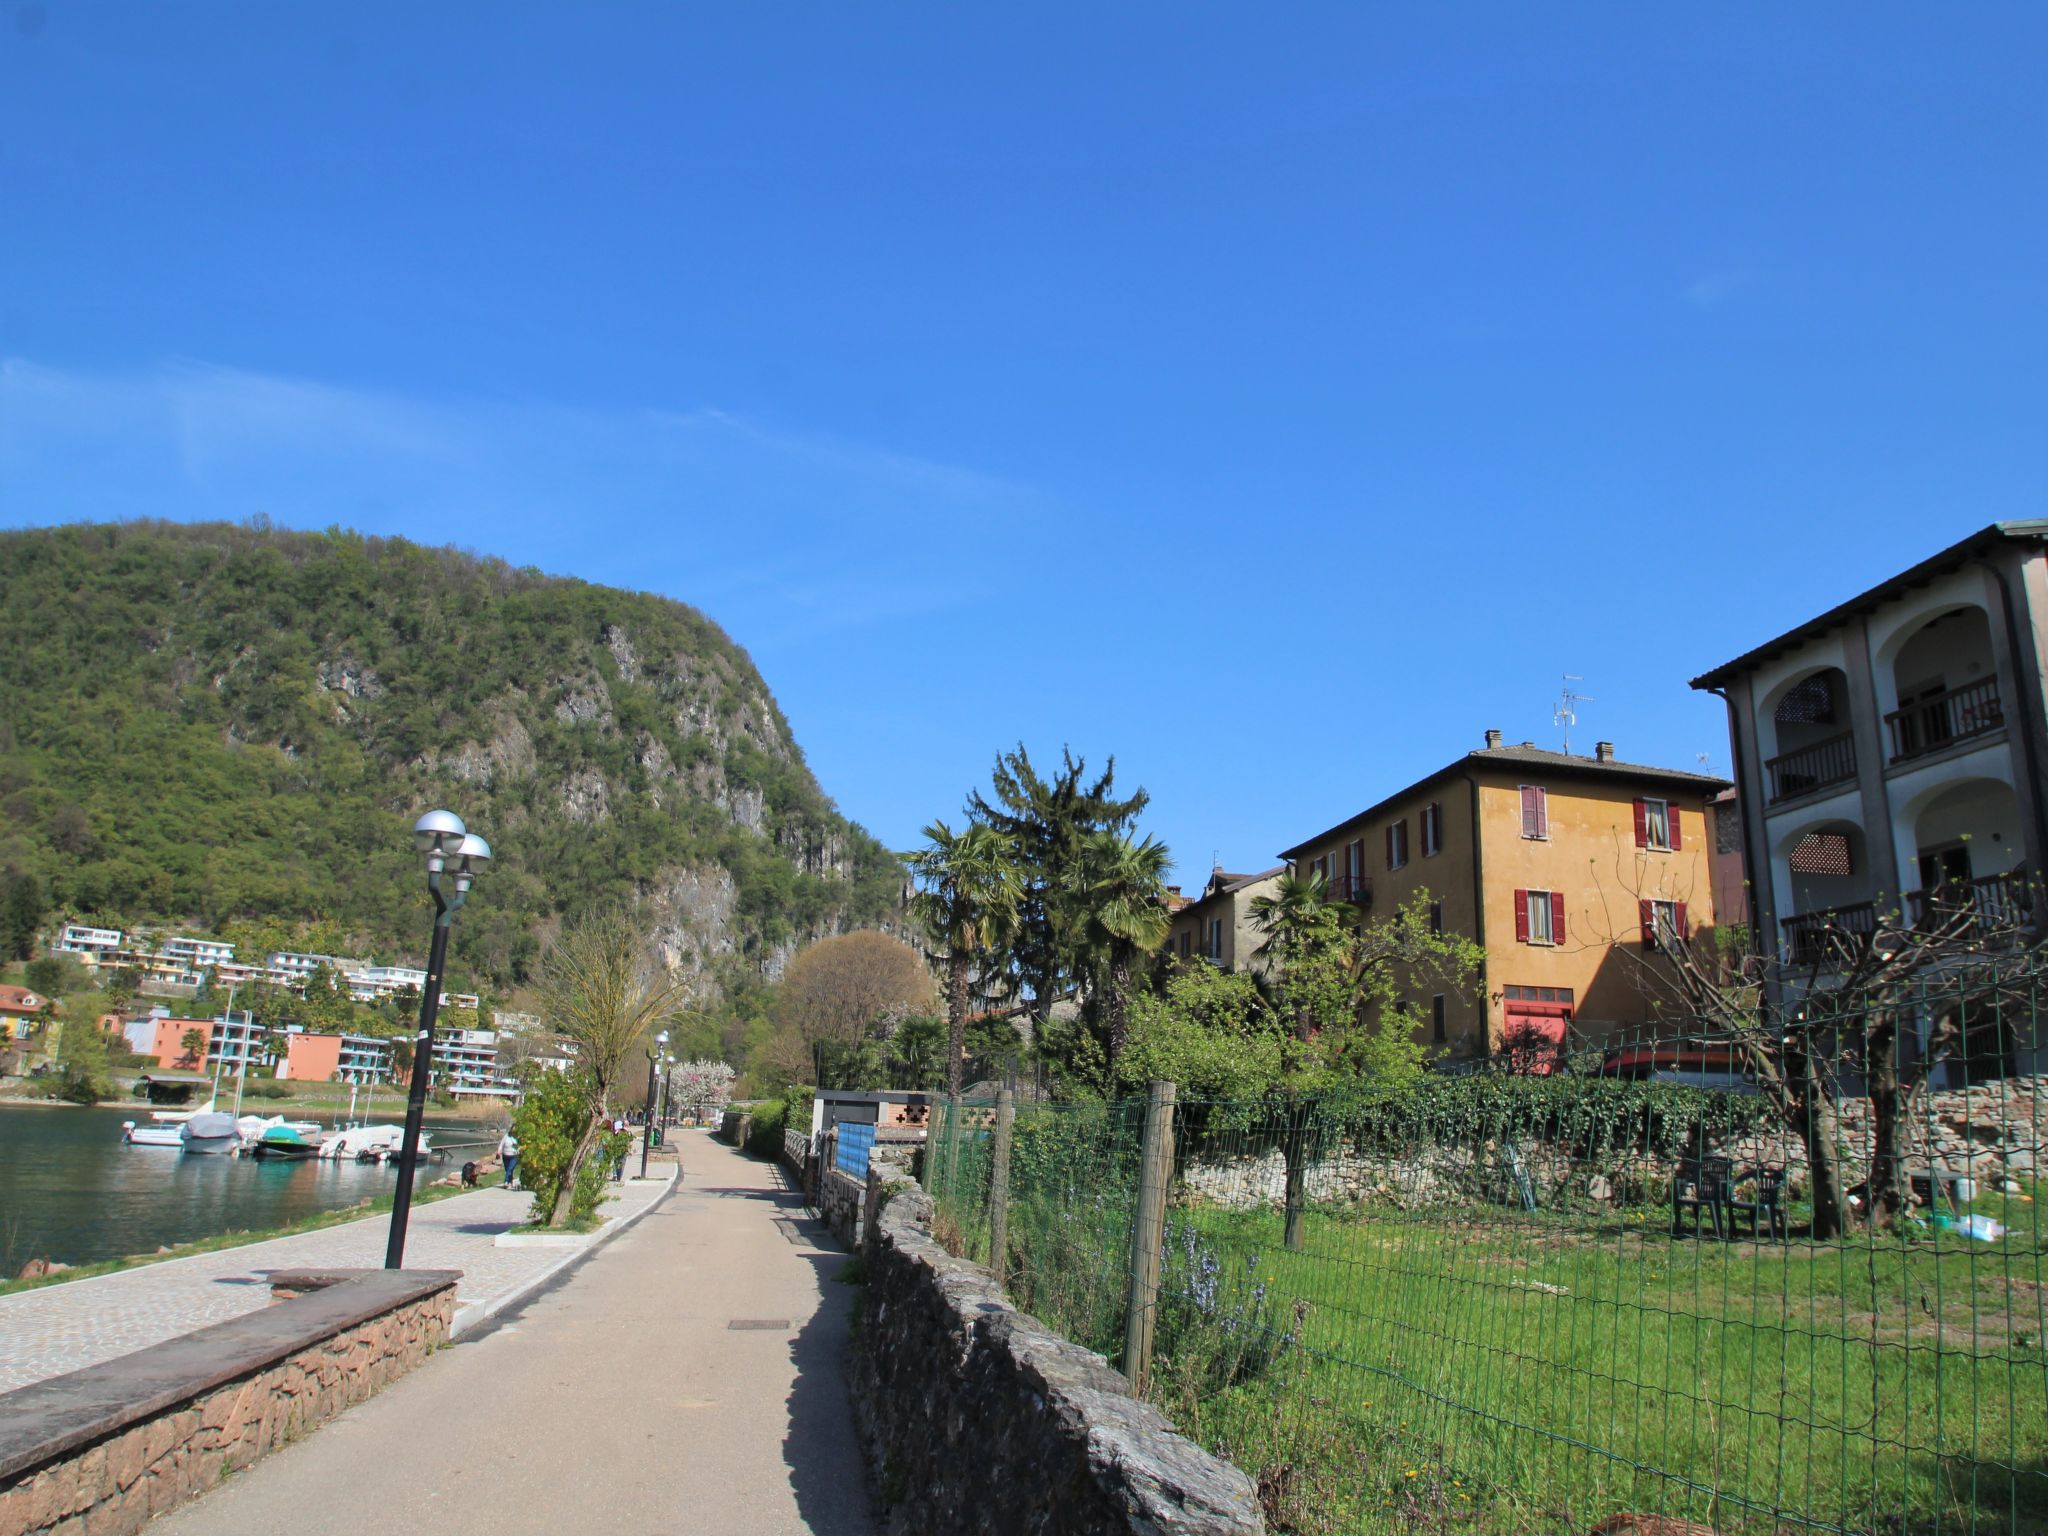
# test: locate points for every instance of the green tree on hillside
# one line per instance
(82, 1059)
(21, 915)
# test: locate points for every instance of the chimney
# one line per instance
(1492, 740)
(1603, 751)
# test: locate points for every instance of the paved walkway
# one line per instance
(624, 1398)
(61, 1328)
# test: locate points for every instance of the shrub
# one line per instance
(548, 1125)
(764, 1135)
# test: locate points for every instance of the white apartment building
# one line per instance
(197, 954)
(92, 943)
(292, 969)
(238, 1042)
(466, 1061)
(1892, 753)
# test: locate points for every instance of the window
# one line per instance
(1664, 925)
(1354, 861)
(1186, 943)
(1656, 824)
(1436, 1018)
(1823, 853)
(1539, 917)
(1436, 917)
(1535, 811)
(1397, 843)
(1432, 829)
(1216, 938)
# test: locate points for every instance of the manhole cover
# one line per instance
(740, 1324)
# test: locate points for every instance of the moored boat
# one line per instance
(369, 1143)
(210, 1133)
(152, 1135)
(284, 1141)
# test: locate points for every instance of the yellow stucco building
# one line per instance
(1566, 870)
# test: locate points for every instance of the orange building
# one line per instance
(164, 1038)
(1567, 871)
(312, 1058)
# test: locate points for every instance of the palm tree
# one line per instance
(967, 902)
(1121, 893)
(1301, 922)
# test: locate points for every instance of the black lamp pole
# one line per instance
(442, 837)
(647, 1129)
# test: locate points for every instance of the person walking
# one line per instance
(619, 1160)
(508, 1149)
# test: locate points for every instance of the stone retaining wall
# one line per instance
(978, 1419)
(1988, 1133)
(103, 1450)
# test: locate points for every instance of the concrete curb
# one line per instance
(477, 1313)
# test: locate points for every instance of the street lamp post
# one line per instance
(647, 1130)
(446, 846)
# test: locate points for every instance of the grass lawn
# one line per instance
(1494, 1370)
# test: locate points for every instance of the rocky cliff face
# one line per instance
(289, 701)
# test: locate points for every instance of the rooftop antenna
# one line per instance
(1567, 712)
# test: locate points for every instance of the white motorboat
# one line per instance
(368, 1143)
(251, 1128)
(152, 1135)
(210, 1133)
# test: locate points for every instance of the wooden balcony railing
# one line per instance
(1810, 936)
(1955, 715)
(1832, 761)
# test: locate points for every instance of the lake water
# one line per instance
(72, 1190)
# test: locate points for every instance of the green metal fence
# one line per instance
(1507, 1307)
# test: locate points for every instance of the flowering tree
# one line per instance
(703, 1087)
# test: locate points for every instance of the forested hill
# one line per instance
(234, 727)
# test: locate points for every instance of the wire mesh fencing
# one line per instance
(1520, 1301)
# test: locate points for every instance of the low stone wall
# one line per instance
(1988, 1133)
(841, 1198)
(978, 1419)
(733, 1126)
(103, 1450)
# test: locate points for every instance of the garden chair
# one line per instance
(1766, 1211)
(1703, 1184)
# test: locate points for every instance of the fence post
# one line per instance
(1148, 1233)
(999, 1186)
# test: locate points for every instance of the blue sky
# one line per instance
(1275, 398)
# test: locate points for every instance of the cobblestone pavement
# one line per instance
(65, 1327)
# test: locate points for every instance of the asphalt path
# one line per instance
(690, 1376)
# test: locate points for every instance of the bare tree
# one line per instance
(1856, 999)
(602, 987)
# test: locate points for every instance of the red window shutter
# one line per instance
(1678, 921)
(1528, 811)
(1671, 822)
(1557, 917)
(1642, 823)
(1521, 917)
(1648, 915)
